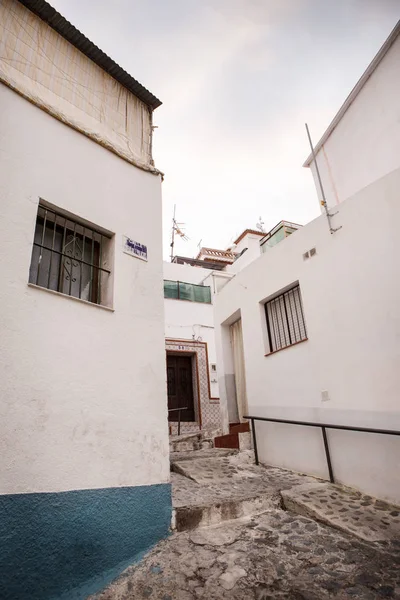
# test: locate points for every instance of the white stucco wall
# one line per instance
(186, 273)
(185, 320)
(83, 388)
(252, 243)
(351, 297)
(365, 144)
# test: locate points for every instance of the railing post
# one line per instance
(253, 430)
(179, 422)
(328, 456)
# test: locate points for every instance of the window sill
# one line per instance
(286, 347)
(43, 289)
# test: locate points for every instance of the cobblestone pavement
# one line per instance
(277, 555)
(203, 481)
(333, 542)
(361, 515)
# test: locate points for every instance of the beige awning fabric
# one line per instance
(42, 66)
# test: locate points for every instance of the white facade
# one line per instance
(84, 461)
(189, 329)
(250, 246)
(362, 144)
(190, 320)
(347, 371)
(82, 385)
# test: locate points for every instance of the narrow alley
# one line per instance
(244, 532)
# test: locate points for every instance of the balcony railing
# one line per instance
(323, 426)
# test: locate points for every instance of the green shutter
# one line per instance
(170, 289)
(186, 291)
(202, 293)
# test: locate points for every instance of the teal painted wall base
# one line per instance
(67, 545)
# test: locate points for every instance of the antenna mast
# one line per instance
(176, 228)
(173, 234)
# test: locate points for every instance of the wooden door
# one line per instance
(180, 387)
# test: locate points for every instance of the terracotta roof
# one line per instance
(194, 262)
(246, 231)
(214, 254)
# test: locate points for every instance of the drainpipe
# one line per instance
(324, 203)
(151, 137)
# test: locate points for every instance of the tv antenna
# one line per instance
(260, 225)
(176, 229)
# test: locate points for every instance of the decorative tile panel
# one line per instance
(210, 414)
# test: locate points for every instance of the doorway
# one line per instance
(236, 336)
(180, 387)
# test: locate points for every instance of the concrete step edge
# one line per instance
(187, 518)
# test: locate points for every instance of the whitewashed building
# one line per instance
(84, 466)
(316, 318)
(362, 143)
(190, 288)
(192, 376)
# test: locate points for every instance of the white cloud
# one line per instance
(238, 79)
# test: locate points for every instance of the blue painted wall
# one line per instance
(68, 545)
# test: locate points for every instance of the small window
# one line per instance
(285, 320)
(187, 291)
(69, 257)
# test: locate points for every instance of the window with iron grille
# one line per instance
(69, 257)
(285, 320)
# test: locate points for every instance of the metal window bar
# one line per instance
(285, 320)
(55, 227)
(323, 426)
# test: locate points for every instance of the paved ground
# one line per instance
(197, 481)
(209, 491)
(342, 545)
(365, 517)
(204, 453)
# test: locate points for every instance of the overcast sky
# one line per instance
(238, 79)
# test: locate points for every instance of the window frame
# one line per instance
(69, 228)
(282, 325)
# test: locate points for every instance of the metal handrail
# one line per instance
(178, 410)
(323, 426)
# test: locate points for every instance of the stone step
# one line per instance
(203, 453)
(210, 490)
(239, 427)
(190, 442)
(235, 439)
(346, 509)
(233, 468)
(195, 516)
(229, 440)
(186, 442)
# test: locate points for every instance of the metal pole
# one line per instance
(151, 137)
(328, 456)
(253, 430)
(324, 204)
(41, 247)
(179, 422)
(173, 235)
